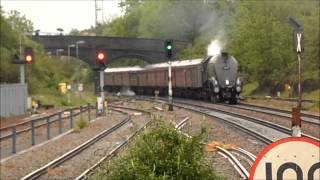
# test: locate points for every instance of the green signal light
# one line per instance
(169, 47)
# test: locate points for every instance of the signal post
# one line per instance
(101, 57)
(28, 58)
(296, 112)
(168, 49)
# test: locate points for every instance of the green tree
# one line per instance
(19, 23)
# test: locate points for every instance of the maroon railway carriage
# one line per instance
(185, 74)
(214, 78)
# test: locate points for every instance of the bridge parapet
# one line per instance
(151, 50)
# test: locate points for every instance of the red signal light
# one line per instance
(28, 59)
(101, 56)
(28, 55)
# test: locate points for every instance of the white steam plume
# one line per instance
(214, 48)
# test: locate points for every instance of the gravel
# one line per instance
(23, 140)
(75, 166)
(22, 164)
(307, 128)
(216, 130)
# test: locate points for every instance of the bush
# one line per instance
(163, 153)
(82, 123)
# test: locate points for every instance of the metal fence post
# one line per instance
(81, 110)
(89, 117)
(32, 133)
(96, 109)
(48, 128)
(60, 123)
(71, 118)
(14, 134)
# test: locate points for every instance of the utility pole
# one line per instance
(96, 13)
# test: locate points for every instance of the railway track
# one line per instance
(88, 172)
(43, 171)
(310, 118)
(229, 154)
(281, 99)
(265, 131)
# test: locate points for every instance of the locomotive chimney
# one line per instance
(224, 54)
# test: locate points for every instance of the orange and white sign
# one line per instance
(295, 158)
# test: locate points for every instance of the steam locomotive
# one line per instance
(214, 78)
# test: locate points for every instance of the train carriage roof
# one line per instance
(155, 66)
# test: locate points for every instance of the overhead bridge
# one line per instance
(150, 50)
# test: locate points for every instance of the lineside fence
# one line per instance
(44, 128)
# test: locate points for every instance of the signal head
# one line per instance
(28, 55)
(168, 48)
(101, 56)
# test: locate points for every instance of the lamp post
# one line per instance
(77, 55)
(77, 47)
(60, 31)
(70, 46)
(59, 50)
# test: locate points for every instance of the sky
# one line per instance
(48, 15)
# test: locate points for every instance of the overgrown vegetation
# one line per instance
(257, 33)
(47, 71)
(81, 123)
(161, 153)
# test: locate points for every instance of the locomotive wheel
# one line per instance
(233, 101)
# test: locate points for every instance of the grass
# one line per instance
(80, 124)
(314, 95)
(72, 99)
(160, 153)
(249, 88)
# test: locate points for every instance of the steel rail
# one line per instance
(42, 170)
(252, 119)
(247, 156)
(281, 99)
(261, 137)
(310, 118)
(255, 134)
(85, 174)
(235, 162)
